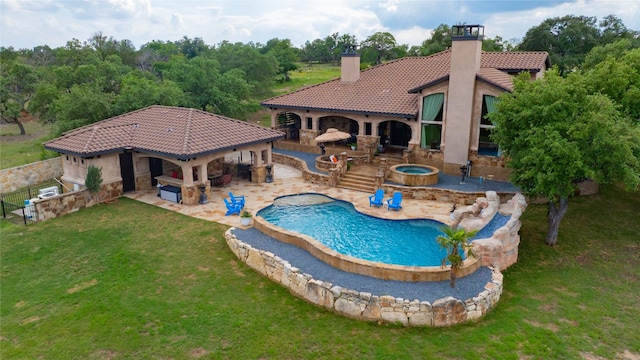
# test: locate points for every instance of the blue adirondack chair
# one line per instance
(394, 202)
(377, 198)
(236, 200)
(232, 208)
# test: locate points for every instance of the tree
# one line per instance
(556, 134)
(456, 241)
(440, 40)
(618, 77)
(284, 52)
(17, 84)
(616, 50)
(93, 180)
(569, 38)
(377, 47)
(259, 69)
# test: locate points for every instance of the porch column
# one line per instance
(187, 174)
(274, 119)
(202, 173)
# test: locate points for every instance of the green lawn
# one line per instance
(308, 75)
(16, 149)
(131, 281)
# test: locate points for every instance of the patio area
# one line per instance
(287, 181)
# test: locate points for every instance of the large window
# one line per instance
(431, 123)
(486, 146)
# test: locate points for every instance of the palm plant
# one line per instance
(455, 241)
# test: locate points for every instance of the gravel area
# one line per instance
(466, 287)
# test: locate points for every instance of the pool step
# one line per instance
(358, 182)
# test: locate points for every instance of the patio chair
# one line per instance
(394, 202)
(232, 208)
(377, 198)
(236, 200)
(226, 180)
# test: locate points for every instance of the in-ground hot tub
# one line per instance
(413, 174)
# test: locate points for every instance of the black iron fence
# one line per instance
(16, 206)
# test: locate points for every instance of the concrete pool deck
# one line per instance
(288, 181)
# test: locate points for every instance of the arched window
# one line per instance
(431, 123)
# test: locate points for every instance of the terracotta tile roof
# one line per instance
(391, 88)
(177, 132)
(496, 77)
(516, 61)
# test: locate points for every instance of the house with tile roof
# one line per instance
(175, 146)
(433, 108)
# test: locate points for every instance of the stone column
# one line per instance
(258, 174)
(384, 167)
(333, 177)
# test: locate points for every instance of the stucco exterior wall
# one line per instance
(35, 173)
(75, 168)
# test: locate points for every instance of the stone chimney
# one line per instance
(466, 48)
(350, 65)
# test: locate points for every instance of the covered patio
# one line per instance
(184, 151)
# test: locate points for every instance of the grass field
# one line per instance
(306, 75)
(16, 149)
(131, 281)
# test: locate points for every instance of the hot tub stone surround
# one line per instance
(422, 179)
(363, 305)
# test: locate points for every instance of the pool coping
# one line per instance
(363, 267)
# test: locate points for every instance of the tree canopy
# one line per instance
(569, 39)
(556, 133)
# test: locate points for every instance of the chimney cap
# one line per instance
(350, 49)
(467, 32)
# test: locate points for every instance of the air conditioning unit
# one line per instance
(48, 192)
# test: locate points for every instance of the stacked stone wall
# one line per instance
(55, 206)
(501, 249)
(363, 305)
(30, 174)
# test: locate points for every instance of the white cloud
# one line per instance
(390, 5)
(54, 22)
(412, 36)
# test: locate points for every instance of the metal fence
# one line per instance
(16, 206)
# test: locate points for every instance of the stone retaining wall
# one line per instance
(366, 306)
(310, 176)
(55, 206)
(30, 174)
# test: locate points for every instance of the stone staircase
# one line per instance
(358, 182)
(362, 177)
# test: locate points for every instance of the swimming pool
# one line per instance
(337, 225)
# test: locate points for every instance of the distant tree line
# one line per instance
(84, 82)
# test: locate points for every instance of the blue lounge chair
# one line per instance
(394, 202)
(236, 200)
(377, 198)
(232, 208)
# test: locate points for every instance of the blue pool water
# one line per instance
(408, 169)
(337, 225)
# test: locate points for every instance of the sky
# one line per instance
(31, 23)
